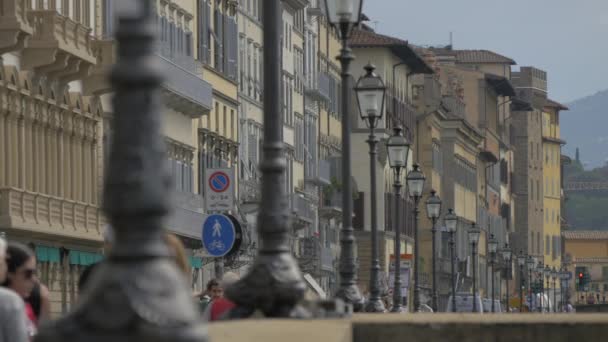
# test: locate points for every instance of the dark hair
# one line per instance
(211, 283)
(35, 300)
(17, 254)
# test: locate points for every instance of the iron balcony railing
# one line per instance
(302, 209)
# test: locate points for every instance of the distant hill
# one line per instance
(586, 210)
(584, 126)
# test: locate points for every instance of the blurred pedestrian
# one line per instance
(178, 251)
(219, 305)
(212, 291)
(21, 278)
(13, 321)
(40, 301)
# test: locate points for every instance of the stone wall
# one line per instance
(420, 328)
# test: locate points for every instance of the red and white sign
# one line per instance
(219, 190)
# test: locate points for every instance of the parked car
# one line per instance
(464, 303)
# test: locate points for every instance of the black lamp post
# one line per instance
(521, 262)
(415, 185)
(564, 281)
(398, 150)
(451, 223)
(371, 92)
(554, 274)
(433, 211)
(506, 257)
(531, 263)
(344, 15)
(540, 272)
(474, 233)
(274, 284)
(492, 247)
(137, 294)
(547, 275)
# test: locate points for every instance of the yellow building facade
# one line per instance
(551, 145)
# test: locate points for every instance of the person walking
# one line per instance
(21, 279)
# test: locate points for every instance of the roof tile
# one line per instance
(586, 235)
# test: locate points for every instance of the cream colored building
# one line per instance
(386, 53)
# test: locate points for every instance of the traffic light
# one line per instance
(580, 278)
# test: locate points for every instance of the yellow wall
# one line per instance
(551, 185)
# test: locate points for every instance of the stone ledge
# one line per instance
(420, 328)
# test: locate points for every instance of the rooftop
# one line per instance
(598, 260)
(367, 38)
(586, 235)
(554, 104)
(475, 56)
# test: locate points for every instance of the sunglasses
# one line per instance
(29, 273)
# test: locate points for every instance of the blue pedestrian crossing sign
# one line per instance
(218, 235)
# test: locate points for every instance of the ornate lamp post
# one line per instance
(531, 263)
(398, 149)
(521, 262)
(274, 283)
(344, 15)
(433, 211)
(506, 257)
(474, 233)
(451, 223)
(547, 274)
(554, 274)
(137, 294)
(540, 272)
(371, 92)
(415, 185)
(492, 247)
(564, 281)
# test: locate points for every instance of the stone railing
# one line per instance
(48, 214)
(419, 328)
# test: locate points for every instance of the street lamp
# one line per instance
(415, 184)
(371, 92)
(506, 256)
(343, 15)
(138, 293)
(474, 233)
(492, 247)
(521, 262)
(554, 274)
(451, 223)
(540, 271)
(547, 273)
(433, 211)
(398, 148)
(531, 265)
(564, 277)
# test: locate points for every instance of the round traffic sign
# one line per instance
(218, 235)
(219, 181)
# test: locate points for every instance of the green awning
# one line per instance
(84, 258)
(47, 254)
(196, 262)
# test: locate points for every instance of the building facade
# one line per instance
(588, 254)
(395, 61)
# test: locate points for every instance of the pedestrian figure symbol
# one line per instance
(217, 229)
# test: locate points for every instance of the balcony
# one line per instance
(454, 105)
(323, 177)
(187, 215)
(43, 214)
(332, 206)
(184, 90)
(250, 191)
(15, 25)
(319, 90)
(302, 213)
(97, 82)
(60, 48)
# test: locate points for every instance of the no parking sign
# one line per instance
(219, 190)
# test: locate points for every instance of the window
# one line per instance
(605, 274)
(531, 150)
(537, 190)
(531, 189)
(532, 242)
(232, 132)
(217, 117)
(225, 119)
(437, 158)
(547, 245)
(242, 52)
(539, 243)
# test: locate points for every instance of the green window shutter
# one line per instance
(197, 262)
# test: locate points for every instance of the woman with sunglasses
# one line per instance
(21, 277)
(13, 322)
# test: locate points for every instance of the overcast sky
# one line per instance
(567, 38)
